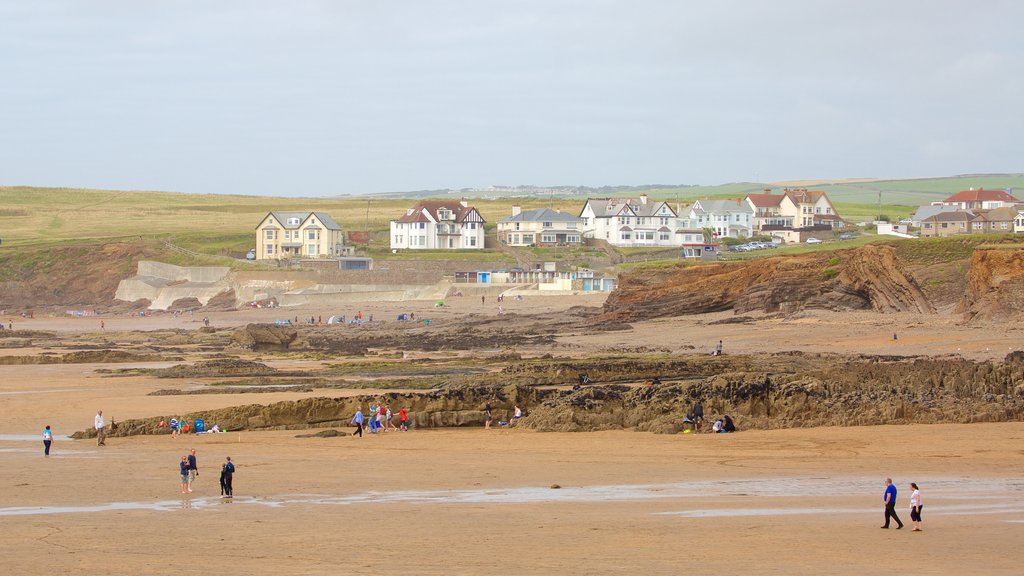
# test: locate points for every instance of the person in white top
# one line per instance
(101, 435)
(915, 507)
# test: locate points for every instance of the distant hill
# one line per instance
(901, 191)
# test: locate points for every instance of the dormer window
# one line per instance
(293, 221)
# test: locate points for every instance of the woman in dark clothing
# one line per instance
(728, 424)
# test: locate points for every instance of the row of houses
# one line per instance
(626, 222)
(974, 211)
(632, 222)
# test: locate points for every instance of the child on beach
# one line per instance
(183, 471)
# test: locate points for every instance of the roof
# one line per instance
(431, 207)
(765, 200)
(957, 216)
(926, 211)
(609, 207)
(1004, 214)
(717, 206)
(283, 218)
(542, 215)
(981, 195)
(803, 195)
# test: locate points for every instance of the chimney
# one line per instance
(643, 199)
(516, 210)
(464, 203)
(409, 211)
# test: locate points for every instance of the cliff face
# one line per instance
(865, 278)
(995, 285)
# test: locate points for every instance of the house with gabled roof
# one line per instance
(629, 221)
(298, 235)
(794, 215)
(947, 224)
(726, 218)
(981, 199)
(540, 227)
(439, 225)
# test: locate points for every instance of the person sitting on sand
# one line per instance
(727, 424)
(718, 349)
(719, 427)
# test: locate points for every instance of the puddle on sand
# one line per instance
(14, 392)
(29, 438)
(949, 489)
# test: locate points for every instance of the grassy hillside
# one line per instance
(223, 224)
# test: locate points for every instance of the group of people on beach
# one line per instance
(379, 418)
(188, 469)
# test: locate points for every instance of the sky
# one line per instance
(322, 98)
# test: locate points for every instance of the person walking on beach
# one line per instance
(47, 440)
(358, 421)
(915, 507)
(193, 469)
(403, 420)
(889, 497)
(487, 415)
(227, 470)
(183, 470)
(101, 434)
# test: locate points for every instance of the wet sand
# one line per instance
(473, 501)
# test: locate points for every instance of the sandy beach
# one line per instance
(474, 501)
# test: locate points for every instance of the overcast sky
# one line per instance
(313, 98)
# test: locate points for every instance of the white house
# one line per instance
(539, 227)
(298, 234)
(629, 221)
(980, 199)
(438, 224)
(794, 214)
(727, 218)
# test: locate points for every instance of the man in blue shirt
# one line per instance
(358, 421)
(889, 497)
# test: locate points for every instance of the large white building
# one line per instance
(438, 225)
(629, 221)
(727, 218)
(298, 235)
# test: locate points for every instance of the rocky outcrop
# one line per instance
(866, 278)
(783, 390)
(995, 285)
(260, 337)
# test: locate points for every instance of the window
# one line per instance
(626, 236)
(311, 249)
(570, 225)
(527, 238)
(293, 221)
(312, 235)
(944, 225)
(268, 234)
(1003, 225)
(547, 238)
(514, 239)
(572, 238)
(270, 248)
(472, 241)
(547, 224)
(663, 236)
(398, 239)
(517, 225)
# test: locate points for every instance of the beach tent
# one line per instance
(200, 425)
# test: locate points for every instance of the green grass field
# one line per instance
(224, 224)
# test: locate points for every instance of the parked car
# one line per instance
(847, 236)
(813, 241)
(283, 322)
(251, 254)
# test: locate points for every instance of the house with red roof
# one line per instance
(438, 225)
(980, 199)
(794, 215)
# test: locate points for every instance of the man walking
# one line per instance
(193, 469)
(890, 504)
(101, 434)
